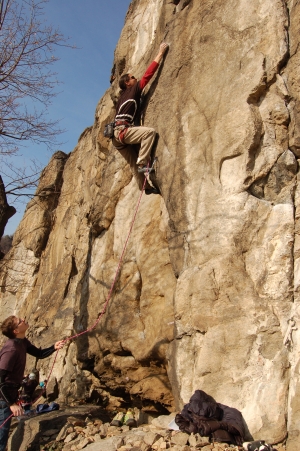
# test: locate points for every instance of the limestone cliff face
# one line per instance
(211, 275)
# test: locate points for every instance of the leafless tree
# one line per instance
(5, 243)
(27, 86)
(6, 211)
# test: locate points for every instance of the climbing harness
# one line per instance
(110, 128)
(89, 329)
(123, 131)
(122, 134)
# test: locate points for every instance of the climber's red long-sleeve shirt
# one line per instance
(129, 102)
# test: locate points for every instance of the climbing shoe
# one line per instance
(118, 420)
(129, 419)
(145, 169)
(151, 191)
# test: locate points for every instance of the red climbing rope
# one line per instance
(107, 299)
(5, 421)
(117, 272)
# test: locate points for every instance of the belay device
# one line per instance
(109, 130)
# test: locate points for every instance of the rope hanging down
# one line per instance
(89, 329)
(117, 271)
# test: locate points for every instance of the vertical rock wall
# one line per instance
(211, 275)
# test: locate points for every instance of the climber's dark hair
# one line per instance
(123, 80)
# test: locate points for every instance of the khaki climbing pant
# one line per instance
(135, 135)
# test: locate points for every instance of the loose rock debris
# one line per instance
(96, 435)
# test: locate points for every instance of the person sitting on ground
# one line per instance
(12, 366)
(127, 131)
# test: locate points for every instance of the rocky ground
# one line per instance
(90, 429)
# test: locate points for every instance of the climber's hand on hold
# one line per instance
(162, 49)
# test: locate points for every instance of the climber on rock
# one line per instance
(12, 365)
(127, 131)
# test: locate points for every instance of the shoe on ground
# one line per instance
(131, 423)
(118, 420)
(145, 169)
(129, 419)
(151, 191)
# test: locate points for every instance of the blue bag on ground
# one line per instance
(43, 408)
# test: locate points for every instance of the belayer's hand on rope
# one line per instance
(16, 410)
(59, 344)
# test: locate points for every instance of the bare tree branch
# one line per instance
(27, 87)
(6, 211)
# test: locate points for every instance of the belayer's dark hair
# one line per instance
(8, 326)
(123, 79)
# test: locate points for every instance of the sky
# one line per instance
(94, 27)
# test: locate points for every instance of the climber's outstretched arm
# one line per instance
(153, 66)
(162, 49)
